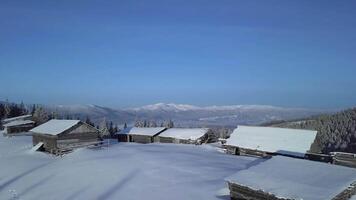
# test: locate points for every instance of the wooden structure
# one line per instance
(122, 135)
(140, 135)
(344, 159)
(186, 136)
(283, 178)
(60, 136)
(267, 141)
(18, 125)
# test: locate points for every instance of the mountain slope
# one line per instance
(336, 132)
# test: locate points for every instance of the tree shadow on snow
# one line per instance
(112, 190)
(77, 193)
(14, 179)
(35, 185)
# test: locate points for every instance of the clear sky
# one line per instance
(291, 53)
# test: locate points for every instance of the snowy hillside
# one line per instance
(122, 171)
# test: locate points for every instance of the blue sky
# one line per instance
(129, 53)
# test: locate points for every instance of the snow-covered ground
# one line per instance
(120, 171)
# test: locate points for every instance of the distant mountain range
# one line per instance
(188, 115)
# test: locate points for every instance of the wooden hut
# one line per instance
(186, 136)
(18, 125)
(59, 136)
(266, 141)
(285, 178)
(140, 135)
(122, 135)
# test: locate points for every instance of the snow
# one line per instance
(148, 131)
(18, 122)
(283, 140)
(16, 118)
(55, 126)
(121, 171)
(185, 133)
(296, 178)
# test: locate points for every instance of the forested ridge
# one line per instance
(336, 132)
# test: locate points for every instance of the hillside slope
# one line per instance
(336, 132)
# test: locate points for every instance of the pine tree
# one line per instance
(125, 126)
(33, 109)
(40, 116)
(111, 128)
(104, 128)
(88, 121)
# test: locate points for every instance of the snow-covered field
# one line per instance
(120, 171)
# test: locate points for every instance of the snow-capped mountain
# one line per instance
(167, 107)
(186, 107)
(188, 115)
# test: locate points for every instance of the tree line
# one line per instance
(152, 123)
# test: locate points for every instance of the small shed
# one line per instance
(285, 178)
(264, 141)
(60, 136)
(140, 135)
(122, 134)
(186, 136)
(18, 125)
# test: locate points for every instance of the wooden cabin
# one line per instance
(140, 135)
(266, 141)
(59, 136)
(18, 125)
(186, 136)
(122, 135)
(285, 178)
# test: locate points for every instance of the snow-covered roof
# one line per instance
(124, 131)
(18, 123)
(296, 178)
(269, 139)
(185, 133)
(55, 126)
(147, 131)
(16, 118)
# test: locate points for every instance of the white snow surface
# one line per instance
(126, 171)
(270, 139)
(55, 126)
(185, 133)
(296, 178)
(18, 122)
(147, 131)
